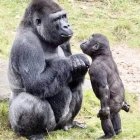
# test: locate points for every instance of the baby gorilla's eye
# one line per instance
(96, 46)
(38, 21)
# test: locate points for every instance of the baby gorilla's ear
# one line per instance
(96, 46)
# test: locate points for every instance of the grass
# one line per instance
(130, 122)
(119, 20)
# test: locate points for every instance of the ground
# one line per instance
(128, 61)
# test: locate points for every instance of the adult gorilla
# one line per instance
(46, 85)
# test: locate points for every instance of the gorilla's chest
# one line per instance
(54, 54)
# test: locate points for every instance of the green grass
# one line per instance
(130, 122)
(118, 19)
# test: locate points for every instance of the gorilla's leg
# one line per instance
(116, 121)
(75, 107)
(31, 117)
(107, 128)
(77, 98)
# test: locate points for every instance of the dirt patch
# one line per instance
(128, 61)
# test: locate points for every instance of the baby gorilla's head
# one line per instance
(97, 44)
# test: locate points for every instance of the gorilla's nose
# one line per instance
(67, 31)
(66, 26)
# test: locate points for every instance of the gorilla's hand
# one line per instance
(80, 64)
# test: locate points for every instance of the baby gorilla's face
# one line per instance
(90, 46)
(95, 45)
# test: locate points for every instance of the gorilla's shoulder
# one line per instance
(26, 38)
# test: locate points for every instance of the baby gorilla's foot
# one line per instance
(125, 107)
(118, 131)
(109, 136)
(74, 124)
(104, 113)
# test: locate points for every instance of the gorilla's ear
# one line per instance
(37, 19)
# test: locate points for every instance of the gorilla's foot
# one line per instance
(74, 124)
(125, 107)
(79, 125)
(36, 137)
(67, 127)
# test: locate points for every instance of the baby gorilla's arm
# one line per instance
(100, 86)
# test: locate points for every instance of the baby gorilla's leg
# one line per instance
(107, 128)
(116, 121)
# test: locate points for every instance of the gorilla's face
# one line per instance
(97, 44)
(53, 28)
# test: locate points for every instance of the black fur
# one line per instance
(45, 79)
(106, 83)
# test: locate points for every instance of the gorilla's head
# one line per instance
(97, 44)
(48, 20)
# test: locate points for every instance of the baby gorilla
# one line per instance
(106, 83)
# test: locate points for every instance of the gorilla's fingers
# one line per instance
(85, 59)
(84, 67)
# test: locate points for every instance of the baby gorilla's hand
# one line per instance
(80, 64)
(104, 113)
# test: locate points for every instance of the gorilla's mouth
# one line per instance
(82, 46)
(66, 35)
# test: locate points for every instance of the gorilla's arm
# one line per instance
(44, 78)
(66, 48)
(78, 77)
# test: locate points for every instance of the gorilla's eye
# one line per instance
(64, 16)
(38, 21)
(56, 19)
